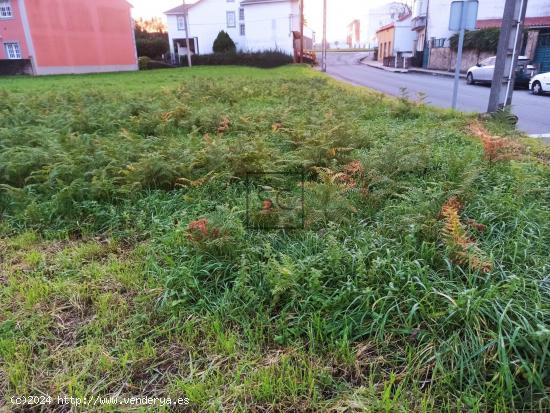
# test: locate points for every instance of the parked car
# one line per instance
(540, 83)
(483, 71)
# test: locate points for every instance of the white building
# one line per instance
(490, 12)
(439, 11)
(378, 17)
(254, 25)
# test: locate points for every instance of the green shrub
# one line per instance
(483, 40)
(153, 48)
(146, 63)
(143, 63)
(224, 43)
(266, 59)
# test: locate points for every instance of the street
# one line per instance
(533, 111)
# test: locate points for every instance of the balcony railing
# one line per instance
(418, 22)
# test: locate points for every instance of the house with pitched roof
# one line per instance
(253, 25)
(66, 36)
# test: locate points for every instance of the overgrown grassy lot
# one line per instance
(421, 281)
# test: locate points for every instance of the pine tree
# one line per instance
(224, 43)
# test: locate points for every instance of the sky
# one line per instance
(340, 13)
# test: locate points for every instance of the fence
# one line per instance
(398, 63)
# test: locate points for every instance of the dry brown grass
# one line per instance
(496, 148)
(462, 246)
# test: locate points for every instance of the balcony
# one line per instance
(418, 23)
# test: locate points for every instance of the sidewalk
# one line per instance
(378, 65)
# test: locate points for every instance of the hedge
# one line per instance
(146, 63)
(483, 40)
(265, 59)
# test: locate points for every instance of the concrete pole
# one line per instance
(186, 18)
(502, 86)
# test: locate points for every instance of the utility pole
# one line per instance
(511, 29)
(186, 18)
(324, 45)
(301, 31)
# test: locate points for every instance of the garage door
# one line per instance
(542, 54)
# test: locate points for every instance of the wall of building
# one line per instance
(377, 17)
(404, 37)
(267, 26)
(439, 13)
(443, 58)
(206, 19)
(79, 36)
(493, 9)
(11, 30)
(270, 26)
(385, 43)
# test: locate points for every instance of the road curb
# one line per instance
(434, 73)
(386, 69)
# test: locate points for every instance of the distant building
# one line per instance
(66, 36)
(395, 40)
(354, 34)
(378, 17)
(254, 25)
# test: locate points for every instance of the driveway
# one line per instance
(533, 111)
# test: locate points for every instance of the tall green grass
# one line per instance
(369, 288)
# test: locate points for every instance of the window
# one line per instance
(12, 50)
(181, 23)
(230, 19)
(242, 29)
(241, 14)
(5, 9)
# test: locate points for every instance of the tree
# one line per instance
(224, 43)
(151, 38)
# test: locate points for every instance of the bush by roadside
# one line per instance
(146, 63)
(267, 59)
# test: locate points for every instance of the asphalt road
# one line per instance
(533, 111)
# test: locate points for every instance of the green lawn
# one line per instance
(420, 282)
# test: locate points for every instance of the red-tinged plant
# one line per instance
(463, 248)
(223, 125)
(495, 148)
(201, 230)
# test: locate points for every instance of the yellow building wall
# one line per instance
(385, 43)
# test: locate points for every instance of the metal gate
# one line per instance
(542, 54)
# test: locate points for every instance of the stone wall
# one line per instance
(444, 58)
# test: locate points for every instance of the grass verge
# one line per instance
(419, 282)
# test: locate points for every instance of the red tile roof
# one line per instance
(529, 22)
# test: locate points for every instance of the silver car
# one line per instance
(483, 71)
